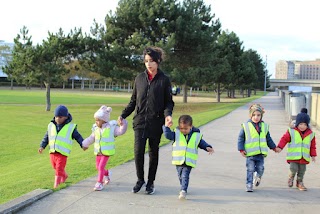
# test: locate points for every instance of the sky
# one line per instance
(276, 29)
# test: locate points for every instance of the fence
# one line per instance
(294, 101)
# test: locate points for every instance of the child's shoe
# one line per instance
(249, 188)
(182, 195)
(107, 178)
(57, 181)
(301, 186)
(256, 179)
(290, 182)
(63, 179)
(98, 186)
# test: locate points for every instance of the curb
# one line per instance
(23, 201)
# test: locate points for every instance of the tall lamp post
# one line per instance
(265, 77)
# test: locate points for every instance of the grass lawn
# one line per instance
(24, 122)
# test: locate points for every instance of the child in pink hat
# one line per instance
(103, 136)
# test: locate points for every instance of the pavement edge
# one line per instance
(23, 201)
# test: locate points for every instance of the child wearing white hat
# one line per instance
(103, 136)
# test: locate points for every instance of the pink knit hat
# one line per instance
(103, 113)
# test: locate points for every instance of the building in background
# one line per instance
(305, 70)
(284, 70)
(5, 55)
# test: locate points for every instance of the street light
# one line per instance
(265, 77)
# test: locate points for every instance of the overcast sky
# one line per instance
(276, 29)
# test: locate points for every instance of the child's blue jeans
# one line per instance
(183, 175)
(254, 164)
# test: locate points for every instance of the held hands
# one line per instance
(120, 121)
(277, 150)
(313, 159)
(168, 121)
(210, 150)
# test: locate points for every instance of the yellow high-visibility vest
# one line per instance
(299, 147)
(255, 143)
(104, 142)
(62, 141)
(183, 152)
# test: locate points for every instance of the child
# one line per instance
(186, 140)
(293, 122)
(103, 134)
(301, 143)
(59, 136)
(253, 142)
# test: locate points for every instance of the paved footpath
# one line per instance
(217, 185)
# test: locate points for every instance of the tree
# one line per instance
(134, 25)
(6, 57)
(46, 62)
(21, 68)
(259, 68)
(52, 56)
(230, 52)
(193, 39)
(247, 74)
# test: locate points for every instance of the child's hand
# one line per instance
(243, 153)
(40, 150)
(168, 121)
(313, 159)
(120, 121)
(84, 148)
(278, 150)
(168, 124)
(210, 150)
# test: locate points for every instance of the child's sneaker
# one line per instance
(98, 186)
(256, 179)
(182, 195)
(63, 180)
(107, 178)
(290, 182)
(249, 188)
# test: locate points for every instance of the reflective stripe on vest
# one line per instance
(255, 144)
(299, 147)
(61, 141)
(104, 143)
(183, 152)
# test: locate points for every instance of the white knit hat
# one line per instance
(103, 113)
